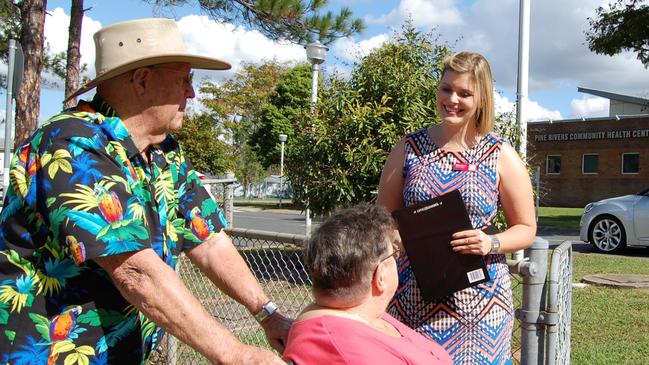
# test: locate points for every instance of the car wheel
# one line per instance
(607, 234)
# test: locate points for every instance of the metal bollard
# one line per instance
(228, 198)
(533, 307)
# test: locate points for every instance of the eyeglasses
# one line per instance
(396, 251)
(395, 254)
(189, 76)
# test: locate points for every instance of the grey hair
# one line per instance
(342, 254)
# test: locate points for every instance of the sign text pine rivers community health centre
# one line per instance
(578, 136)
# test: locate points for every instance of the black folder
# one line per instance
(426, 229)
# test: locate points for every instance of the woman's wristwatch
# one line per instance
(266, 311)
(495, 244)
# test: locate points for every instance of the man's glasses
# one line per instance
(189, 76)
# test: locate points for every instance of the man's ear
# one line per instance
(140, 79)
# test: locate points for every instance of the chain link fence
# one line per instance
(276, 260)
(517, 294)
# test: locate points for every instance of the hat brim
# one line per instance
(197, 62)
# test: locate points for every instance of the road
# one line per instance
(274, 220)
(287, 221)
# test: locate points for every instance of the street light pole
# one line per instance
(522, 84)
(314, 86)
(282, 139)
(9, 115)
(315, 53)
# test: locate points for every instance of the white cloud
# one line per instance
(234, 44)
(534, 110)
(423, 13)
(537, 112)
(502, 104)
(57, 23)
(589, 107)
(201, 35)
(559, 56)
(349, 49)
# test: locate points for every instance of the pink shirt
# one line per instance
(337, 340)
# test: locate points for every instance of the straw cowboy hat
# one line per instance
(129, 45)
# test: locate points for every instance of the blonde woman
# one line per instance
(463, 153)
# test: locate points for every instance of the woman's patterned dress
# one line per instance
(474, 324)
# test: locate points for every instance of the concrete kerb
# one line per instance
(272, 210)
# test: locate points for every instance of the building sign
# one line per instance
(580, 136)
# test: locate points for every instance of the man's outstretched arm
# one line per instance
(155, 289)
(221, 262)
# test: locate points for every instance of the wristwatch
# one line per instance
(495, 244)
(266, 311)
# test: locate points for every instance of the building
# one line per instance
(583, 160)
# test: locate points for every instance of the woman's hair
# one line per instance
(342, 254)
(478, 66)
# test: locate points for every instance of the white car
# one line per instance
(613, 224)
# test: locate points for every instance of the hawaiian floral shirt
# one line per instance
(79, 189)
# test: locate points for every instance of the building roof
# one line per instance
(614, 96)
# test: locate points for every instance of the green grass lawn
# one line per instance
(609, 325)
(559, 217)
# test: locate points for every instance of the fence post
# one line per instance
(228, 197)
(533, 307)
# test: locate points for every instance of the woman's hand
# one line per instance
(473, 241)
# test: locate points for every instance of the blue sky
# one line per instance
(559, 59)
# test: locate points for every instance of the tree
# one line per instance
(56, 63)
(237, 105)
(200, 140)
(391, 92)
(73, 64)
(621, 27)
(32, 19)
(295, 20)
(281, 114)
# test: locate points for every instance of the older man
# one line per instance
(101, 203)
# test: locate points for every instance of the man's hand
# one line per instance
(276, 327)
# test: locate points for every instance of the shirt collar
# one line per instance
(99, 105)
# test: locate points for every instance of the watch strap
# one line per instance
(495, 244)
(266, 311)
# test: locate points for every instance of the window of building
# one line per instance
(553, 165)
(630, 163)
(589, 163)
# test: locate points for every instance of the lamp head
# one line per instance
(283, 137)
(316, 52)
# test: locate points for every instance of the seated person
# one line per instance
(351, 259)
